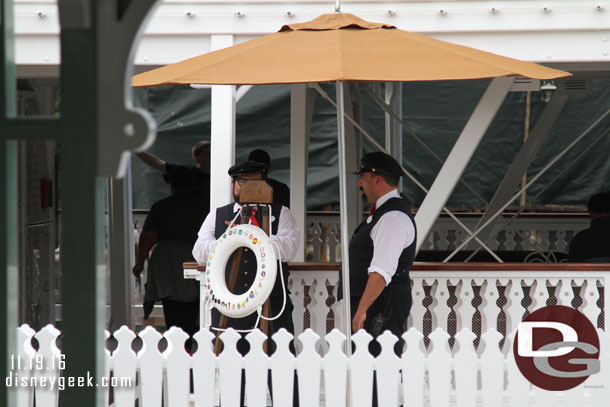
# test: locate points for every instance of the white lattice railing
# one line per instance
(436, 375)
(527, 233)
(453, 296)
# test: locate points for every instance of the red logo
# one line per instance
(556, 348)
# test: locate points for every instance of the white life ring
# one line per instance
(253, 238)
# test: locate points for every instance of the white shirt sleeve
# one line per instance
(205, 239)
(288, 235)
(393, 233)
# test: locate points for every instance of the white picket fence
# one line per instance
(436, 376)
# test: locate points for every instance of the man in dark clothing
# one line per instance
(381, 252)
(593, 245)
(172, 225)
(196, 176)
(281, 192)
(285, 232)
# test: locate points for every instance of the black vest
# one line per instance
(361, 252)
(247, 268)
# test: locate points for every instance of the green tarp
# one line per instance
(435, 111)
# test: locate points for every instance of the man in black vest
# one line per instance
(284, 231)
(381, 252)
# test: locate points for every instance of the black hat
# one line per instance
(380, 163)
(248, 167)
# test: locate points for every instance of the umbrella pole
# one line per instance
(347, 315)
(343, 213)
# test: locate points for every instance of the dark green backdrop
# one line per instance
(436, 112)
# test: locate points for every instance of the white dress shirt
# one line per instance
(392, 233)
(287, 238)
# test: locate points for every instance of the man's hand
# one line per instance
(137, 270)
(358, 321)
(374, 286)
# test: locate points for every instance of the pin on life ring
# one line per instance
(241, 305)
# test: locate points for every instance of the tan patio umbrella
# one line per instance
(341, 47)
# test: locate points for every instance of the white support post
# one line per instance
(460, 155)
(393, 127)
(121, 251)
(223, 134)
(302, 102)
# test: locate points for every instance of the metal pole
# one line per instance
(343, 214)
(530, 183)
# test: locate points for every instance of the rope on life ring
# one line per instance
(241, 305)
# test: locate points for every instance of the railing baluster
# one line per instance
(518, 387)
(177, 363)
(416, 317)
(125, 362)
(439, 308)
(489, 308)
(590, 295)
(20, 365)
(540, 294)
(309, 364)
(334, 240)
(256, 368)
(151, 367)
(282, 369)
(297, 296)
(361, 370)
(230, 368)
(317, 240)
(439, 369)
(413, 364)
(335, 370)
(514, 310)
(49, 355)
(204, 369)
(318, 310)
(465, 369)
(492, 376)
(387, 366)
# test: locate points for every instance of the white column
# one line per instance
(223, 134)
(460, 155)
(393, 128)
(302, 102)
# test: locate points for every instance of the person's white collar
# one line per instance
(236, 207)
(392, 194)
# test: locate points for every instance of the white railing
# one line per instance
(536, 233)
(453, 296)
(527, 233)
(437, 375)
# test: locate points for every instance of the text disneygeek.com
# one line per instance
(61, 382)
